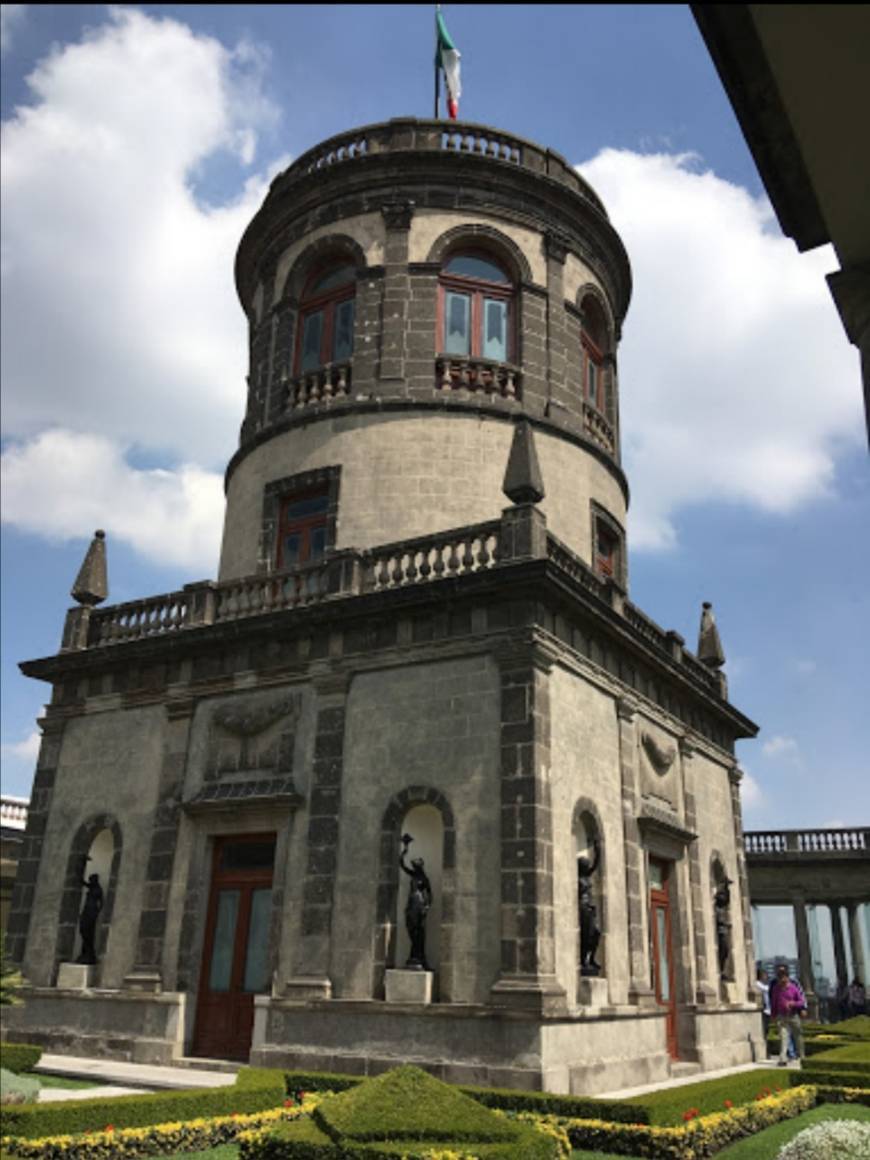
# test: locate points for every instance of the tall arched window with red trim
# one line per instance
(325, 333)
(593, 338)
(476, 308)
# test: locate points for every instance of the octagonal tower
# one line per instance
(411, 289)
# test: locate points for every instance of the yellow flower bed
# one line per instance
(155, 1140)
(702, 1136)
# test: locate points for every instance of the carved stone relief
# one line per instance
(658, 767)
(251, 735)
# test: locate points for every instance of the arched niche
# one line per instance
(99, 840)
(425, 825)
(722, 915)
(586, 830)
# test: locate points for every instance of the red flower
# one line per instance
(687, 1115)
(729, 1104)
(109, 1128)
(288, 1103)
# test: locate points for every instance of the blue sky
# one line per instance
(138, 141)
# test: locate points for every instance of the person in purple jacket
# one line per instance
(787, 1003)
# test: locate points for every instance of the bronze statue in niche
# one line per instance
(91, 908)
(722, 908)
(590, 931)
(417, 907)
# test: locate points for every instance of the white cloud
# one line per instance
(63, 485)
(119, 311)
(780, 746)
(737, 381)
(26, 750)
(11, 16)
(751, 794)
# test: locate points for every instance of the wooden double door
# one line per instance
(235, 960)
(662, 947)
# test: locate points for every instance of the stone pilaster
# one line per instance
(639, 989)
(147, 972)
(805, 953)
(705, 992)
(556, 249)
(18, 923)
(856, 944)
(397, 288)
(528, 958)
(735, 776)
(311, 979)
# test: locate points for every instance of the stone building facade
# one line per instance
(393, 646)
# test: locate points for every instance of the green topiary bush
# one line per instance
(19, 1057)
(255, 1090)
(853, 1056)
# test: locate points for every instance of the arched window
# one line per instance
(325, 332)
(593, 338)
(475, 308)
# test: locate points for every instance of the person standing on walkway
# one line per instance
(787, 1004)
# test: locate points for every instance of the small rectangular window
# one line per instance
(457, 323)
(495, 329)
(302, 528)
(592, 383)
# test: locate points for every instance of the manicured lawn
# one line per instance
(766, 1144)
(667, 1106)
(63, 1081)
(222, 1152)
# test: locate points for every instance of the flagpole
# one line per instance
(437, 69)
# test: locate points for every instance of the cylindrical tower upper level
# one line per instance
(411, 288)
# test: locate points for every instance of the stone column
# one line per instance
(18, 923)
(556, 249)
(705, 992)
(528, 959)
(397, 288)
(639, 988)
(859, 968)
(735, 776)
(839, 945)
(311, 962)
(805, 951)
(147, 972)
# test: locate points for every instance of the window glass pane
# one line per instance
(291, 549)
(307, 505)
(592, 381)
(656, 876)
(494, 329)
(312, 330)
(662, 949)
(256, 956)
(333, 278)
(457, 323)
(220, 974)
(470, 266)
(342, 345)
(248, 855)
(317, 543)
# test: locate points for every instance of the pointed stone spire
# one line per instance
(709, 645)
(92, 585)
(523, 482)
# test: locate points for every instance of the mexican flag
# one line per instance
(447, 58)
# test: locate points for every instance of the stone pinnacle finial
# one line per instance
(523, 482)
(92, 585)
(709, 645)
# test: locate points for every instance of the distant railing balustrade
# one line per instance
(820, 841)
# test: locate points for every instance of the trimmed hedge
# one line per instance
(669, 1105)
(19, 1057)
(255, 1090)
(850, 1057)
(501, 1099)
(827, 1079)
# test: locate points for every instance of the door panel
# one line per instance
(235, 962)
(662, 948)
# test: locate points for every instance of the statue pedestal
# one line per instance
(409, 986)
(75, 976)
(728, 992)
(592, 991)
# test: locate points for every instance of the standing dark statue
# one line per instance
(590, 932)
(93, 904)
(418, 906)
(722, 903)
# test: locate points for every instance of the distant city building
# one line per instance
(13, 819)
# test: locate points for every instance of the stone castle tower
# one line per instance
(421, 626)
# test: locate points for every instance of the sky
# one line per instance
(137, 142)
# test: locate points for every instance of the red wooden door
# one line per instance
(235, 961)
(662, 951)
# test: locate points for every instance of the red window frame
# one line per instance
(592, 357)
(303, 525)
(477, 289)
(606, 561)
(328, 301)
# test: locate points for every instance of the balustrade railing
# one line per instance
(818, 841)
(478, 376)
(331, 381)
(598, 428)
(486, 142)
(456, 553)
(153, 616)
(699, 670)
(577, 569)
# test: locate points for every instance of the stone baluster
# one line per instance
(327, 381)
